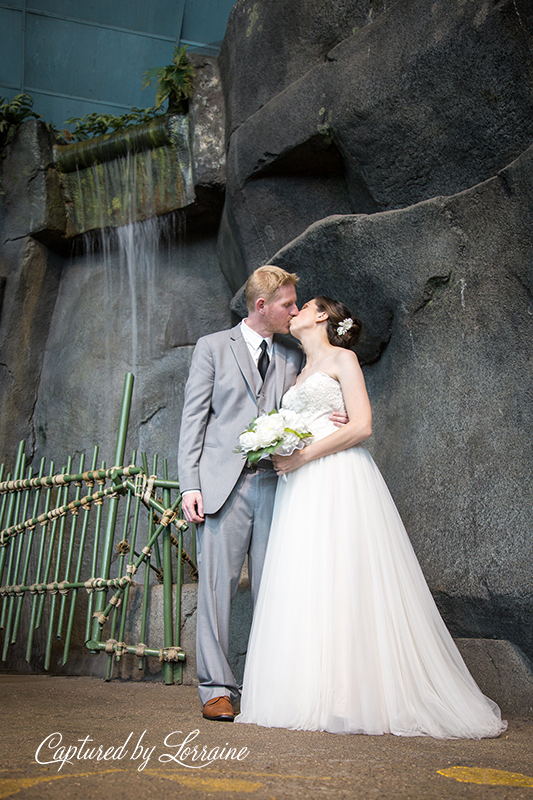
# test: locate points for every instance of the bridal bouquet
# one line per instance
(280, 433)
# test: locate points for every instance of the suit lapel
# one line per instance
(280, 356)
(244, 361)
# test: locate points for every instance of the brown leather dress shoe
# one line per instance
(219, 708)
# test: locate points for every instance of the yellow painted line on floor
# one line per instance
(488, 777)
(280, 775)
(9, 786)
(203, 784)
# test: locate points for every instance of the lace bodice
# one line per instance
(314, 400)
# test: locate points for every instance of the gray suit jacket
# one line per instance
(222, 396)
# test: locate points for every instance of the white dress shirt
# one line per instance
(253, 340)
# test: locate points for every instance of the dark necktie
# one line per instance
(264, 361)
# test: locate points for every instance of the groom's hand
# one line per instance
(192, 506)
(339, 418)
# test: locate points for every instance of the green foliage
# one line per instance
(97, 124)
(174, 82)
(12, 114)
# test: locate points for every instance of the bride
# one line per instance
(346, 636)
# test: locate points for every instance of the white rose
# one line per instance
(249, 441)
(288, 445)
(293, 420)
(269, 428)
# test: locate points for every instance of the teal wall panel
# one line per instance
(10, 48)
(158, 17)
(205, 20)
(95, 63)
(79, 56)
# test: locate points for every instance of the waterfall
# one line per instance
(128, 176)
(128, 259)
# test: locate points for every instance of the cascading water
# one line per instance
(119, 288)
(129, 255)
(127, 209)
(128, 176)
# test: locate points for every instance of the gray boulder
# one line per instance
(419, 103)
(269, 45)
(445, 293)
(393, 171)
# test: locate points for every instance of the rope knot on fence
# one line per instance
(170, 654)
(123, 547)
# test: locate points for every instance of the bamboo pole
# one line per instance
(3, 515)
(20, 485)
(9, 517)
(57, 571)
(168, 515)
(135, 523)
(4, 498)
(163, 654)
(21, 542)
(168, 633)
(178, 668)
(147, 565)
(122, 555)
(13, 571)
(49, 558)
(94, 564)
(16, 556)
(29, 548)
(70, 551)
(113, 503)
(77, 572)
(156, 544)
(35, 603)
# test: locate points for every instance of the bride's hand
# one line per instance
(339, 418)
(283, 464)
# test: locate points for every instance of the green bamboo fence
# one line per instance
(91, 535)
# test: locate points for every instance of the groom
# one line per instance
(235, 375)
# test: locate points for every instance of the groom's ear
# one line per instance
(260, 304)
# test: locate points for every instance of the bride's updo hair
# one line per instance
(344, 329)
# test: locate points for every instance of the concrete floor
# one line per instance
(273, 763)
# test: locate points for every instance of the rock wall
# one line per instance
(393, 169)
(420, 101)
(382, 151)
(78, 312)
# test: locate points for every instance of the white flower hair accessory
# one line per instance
(344, 326)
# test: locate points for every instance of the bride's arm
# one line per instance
(347, 371)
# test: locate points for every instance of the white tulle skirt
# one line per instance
(346, 636)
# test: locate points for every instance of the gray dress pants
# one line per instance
(241, 526)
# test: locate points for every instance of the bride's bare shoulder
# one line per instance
(344, 359)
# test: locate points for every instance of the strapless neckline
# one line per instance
(298, 386)
(314, 400)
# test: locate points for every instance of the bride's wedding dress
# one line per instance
(346, 636)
